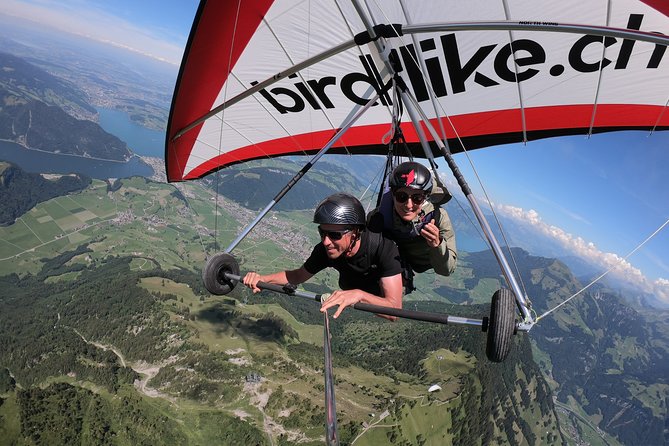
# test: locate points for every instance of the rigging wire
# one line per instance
(222, 118)
(659, 118)
(377, 183)
(639, 246)
(601, 73)
(521, 102)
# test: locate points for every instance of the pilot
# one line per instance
(368, 263)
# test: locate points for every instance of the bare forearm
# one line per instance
(295, 277)
(372, 299)
(279, 278)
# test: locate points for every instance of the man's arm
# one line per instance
(391, 288)
(296, 277)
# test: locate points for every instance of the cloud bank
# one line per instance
(620, 268)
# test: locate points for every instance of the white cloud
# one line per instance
(620, 268)
(661, 288)
(96, 24)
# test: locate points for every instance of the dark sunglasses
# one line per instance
(333, 235)
(402, 197)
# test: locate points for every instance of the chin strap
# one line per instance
(354, 240)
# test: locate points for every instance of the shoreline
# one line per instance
(73, 154)
(42, 161)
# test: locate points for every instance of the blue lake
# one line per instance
(142, 141)
(464, 242)
(44, 162)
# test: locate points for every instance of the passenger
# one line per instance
(368, 263)
(422, 231)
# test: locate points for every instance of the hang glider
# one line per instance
(267, 78)
(263, 78)
(270, 78)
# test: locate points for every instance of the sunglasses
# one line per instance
(402, 197)
(333, 235)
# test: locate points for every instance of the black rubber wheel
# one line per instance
(213, 274)
(501, 325)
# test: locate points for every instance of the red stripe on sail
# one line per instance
(222, 31)
(659, 5)
(543, 121)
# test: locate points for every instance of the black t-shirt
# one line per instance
(377, 257)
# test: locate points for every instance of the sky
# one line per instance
(601, 196)
(155, 28)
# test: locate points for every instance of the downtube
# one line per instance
(331, 436)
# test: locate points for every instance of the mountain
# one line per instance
(538, 243)
(256, 183)
(111, 77)
(21, 79)
(582, 269)
(130, 280)
(364, 169)
(603, 356)
(31, 114)
(21, 190)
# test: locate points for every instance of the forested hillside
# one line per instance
(602, 355)
(47, 331)
(256, 183)
(21, 190)
(133, 323)
(24, 80)
(495, 401)
(38, 111)
(118, 329)
(89, 329)
(116, 307)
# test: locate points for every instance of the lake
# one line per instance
(44, 162)
(141, 141)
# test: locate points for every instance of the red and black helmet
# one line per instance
(412, 175)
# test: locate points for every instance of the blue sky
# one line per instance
(155, 28)
(601, 196)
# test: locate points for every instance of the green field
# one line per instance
(138, 219)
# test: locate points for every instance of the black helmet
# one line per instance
(340, 209)
(413, 175)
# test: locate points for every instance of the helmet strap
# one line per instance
(354, 239)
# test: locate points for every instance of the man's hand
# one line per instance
(251, 280)
(343, 299)
(430, 232)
